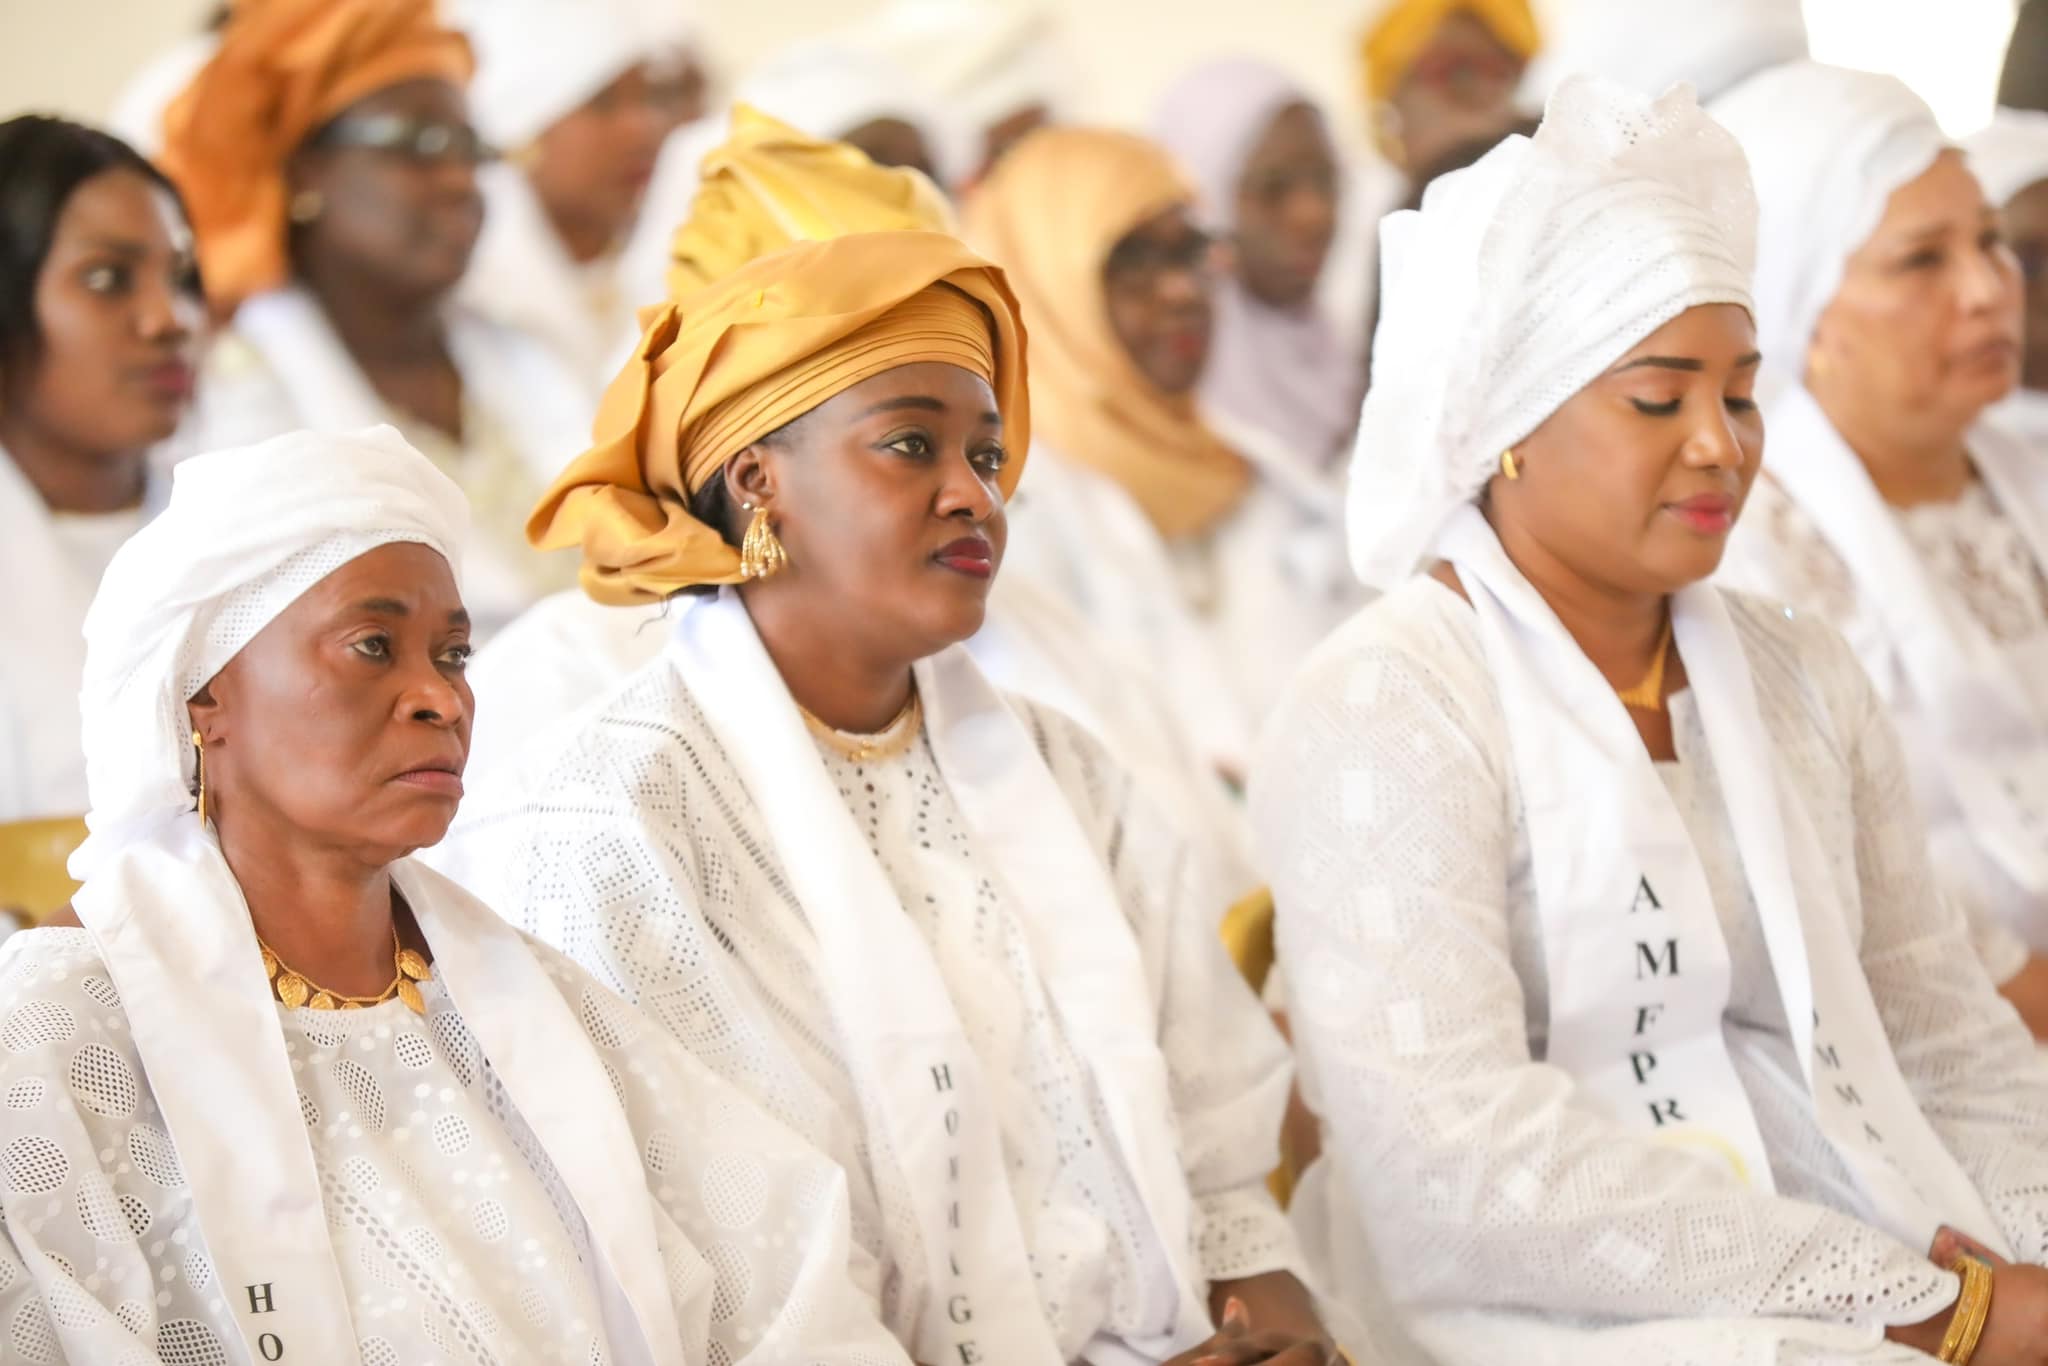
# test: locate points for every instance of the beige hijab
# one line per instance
(1049, 216)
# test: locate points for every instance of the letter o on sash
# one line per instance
(270, 1347)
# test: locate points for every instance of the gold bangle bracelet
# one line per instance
(1972, 1308)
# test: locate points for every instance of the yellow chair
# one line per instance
(1248, 936)
(34, 884)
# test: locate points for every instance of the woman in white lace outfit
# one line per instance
(1889, 312)
(924, 924)
(286, 1095)
(1637, 1030)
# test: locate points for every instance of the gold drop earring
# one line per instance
(761, 552)
(1510, 468)
(199, 744)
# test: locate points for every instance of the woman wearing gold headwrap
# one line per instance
(767, 186)
(1174, 528)
(925, 925)
(331, 171)
(1442, 73)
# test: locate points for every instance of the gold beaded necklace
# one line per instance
(1649, 694)
(886, 743)
(296, 989)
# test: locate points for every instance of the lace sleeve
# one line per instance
(1384, 810)
(1227, 1064)
(1971, 1063)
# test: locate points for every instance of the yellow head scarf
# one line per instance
(1391, 45)
(282, 70)
(769, 185)
(751, 353)
(1050, 213)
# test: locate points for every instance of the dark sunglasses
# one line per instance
(412, 138)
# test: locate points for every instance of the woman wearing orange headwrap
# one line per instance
(330, 167)
(1162, 523)
(1442, 73)
(926, 925)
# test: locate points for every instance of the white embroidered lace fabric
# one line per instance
(1387, 812)
(457, 1242)
(626, 839)
(1979, 559)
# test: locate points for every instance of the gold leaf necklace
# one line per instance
(1649, 694)
(296, 989)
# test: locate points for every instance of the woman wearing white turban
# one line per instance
(2010, 160)
(1636, 1028)
(1889, 312)
(286, 1089)
(579, 94)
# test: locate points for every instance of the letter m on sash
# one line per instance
(1651, 962)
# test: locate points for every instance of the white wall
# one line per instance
(71, 56)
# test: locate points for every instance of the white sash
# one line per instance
(1638, 969)
(904, 1041)
(1993, 738)
(172, 926)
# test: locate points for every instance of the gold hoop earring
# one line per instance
(1510, 468)
(199, 744)
(761, 552)
(306, 206)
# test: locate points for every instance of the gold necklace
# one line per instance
(886, 743)
(1649, 694)
(296, 989)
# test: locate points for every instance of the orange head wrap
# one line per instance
(768, 185)
(283, 69)
(748, 355)
(1391, 44)
(1049, 214)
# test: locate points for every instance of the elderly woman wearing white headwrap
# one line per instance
(1620, 983)
(288, 1095)
(2010, 159)
(1889, 312)
(580, 95)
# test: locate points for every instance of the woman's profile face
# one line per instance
(885, 497)
(344, 723)
(592, 165)
(119, 319)
(391, 215)
(1287, 208)
(1636, 481)
(1924, 332)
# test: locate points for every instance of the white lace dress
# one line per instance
(457, 1242)
(1982, 563)
(628, 841)
(1505, 1218)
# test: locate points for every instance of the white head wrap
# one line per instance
(830, 88)
(1711, 43)
(2010, 153)
(1827, 148)
(538, 60)
(1520, 280)
(246, 532)
(983, 60)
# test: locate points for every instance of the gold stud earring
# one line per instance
(761, 552)
(199, 744)
(1510, 468)
(306, 206)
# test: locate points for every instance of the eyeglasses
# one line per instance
(1139, 263)
(412, 138)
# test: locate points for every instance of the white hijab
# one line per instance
(903, 1039)
(538, 60)
(1824, 180)
(245, 534)
(1635, 211)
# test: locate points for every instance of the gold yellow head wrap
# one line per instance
(1049, 214)
(769, 185)
(283, 69)
(752, 353)
(1392, 44)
